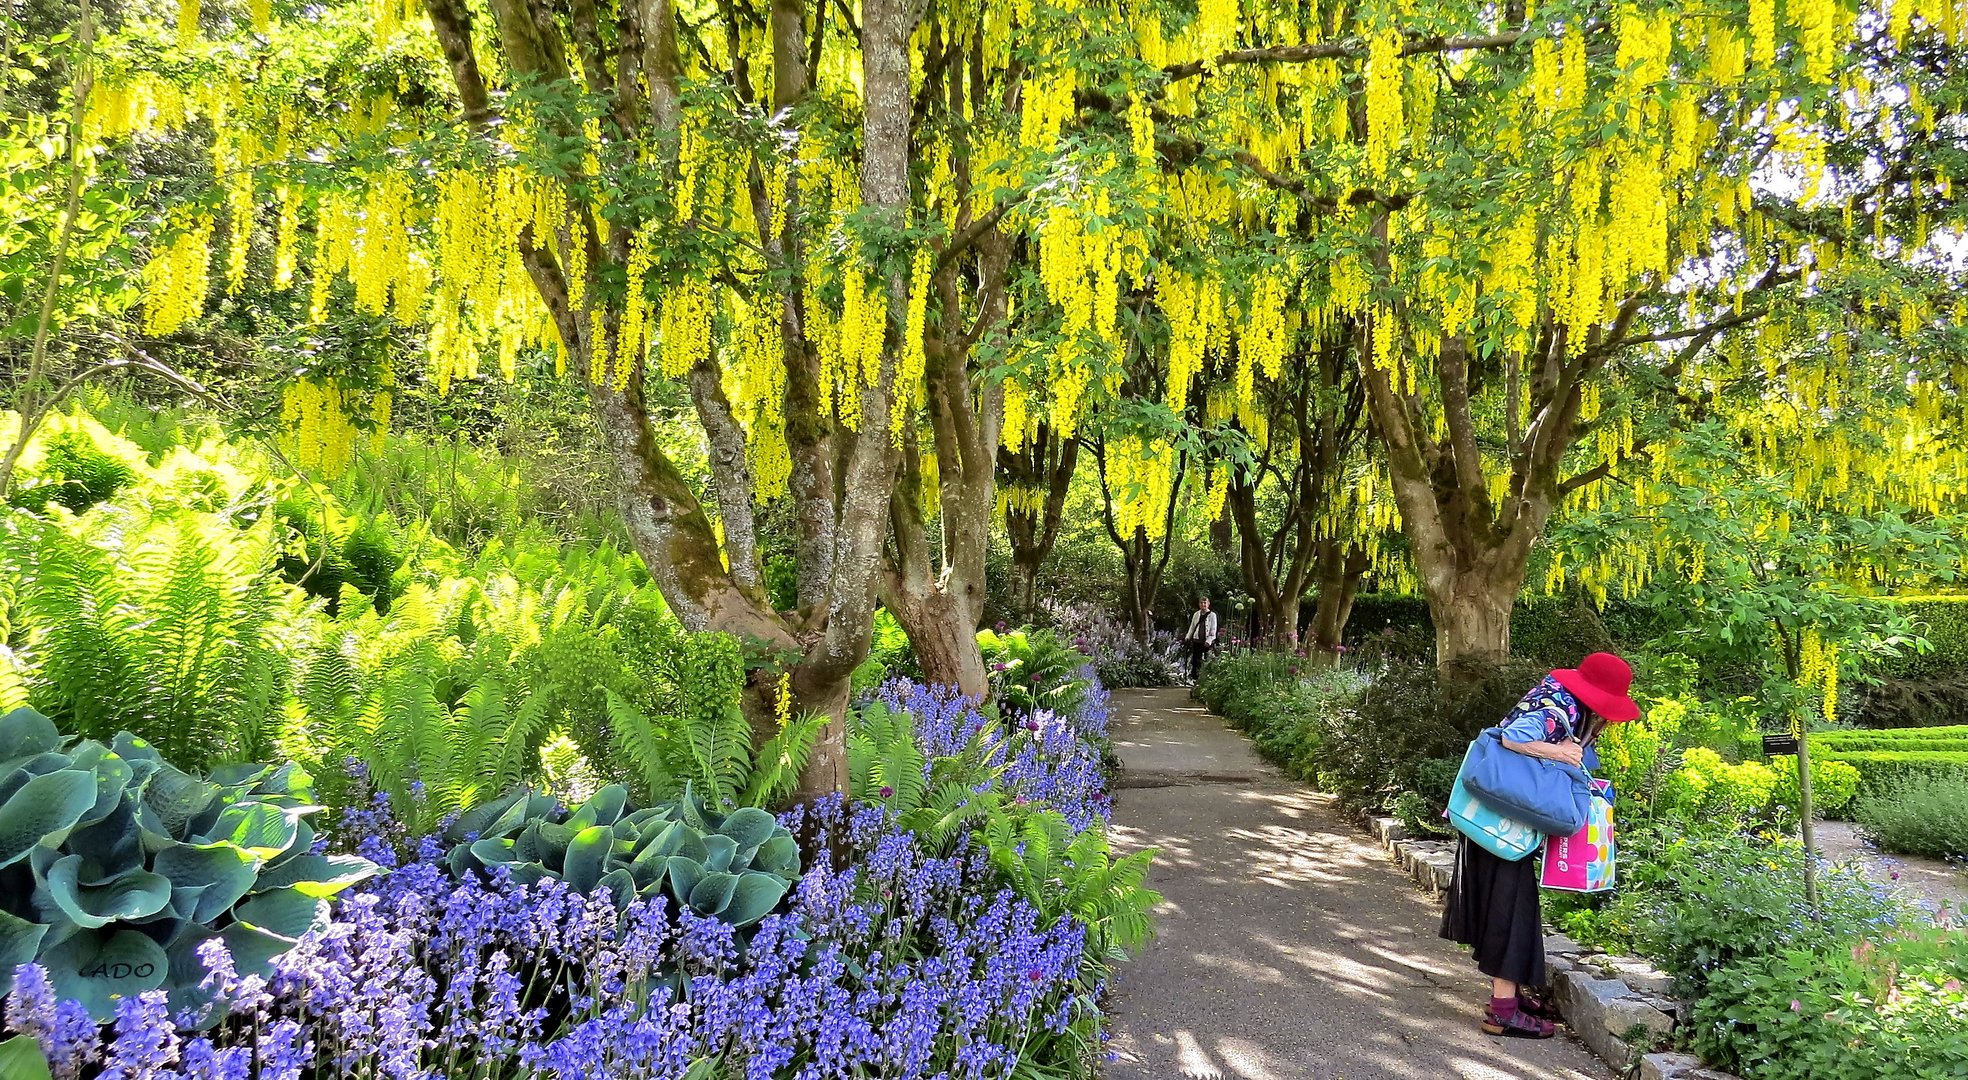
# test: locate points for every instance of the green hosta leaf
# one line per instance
(648, 873)
(112, 843)
(587, 858)
(477, 822)
(43, 810)
(753, 898)
(620, 884)
(494, 851)
(287, 913)
(685, 873)
(713, 892)
(100, 967)
(187, 971)
(750, 827)
(122, 898)
(21, 1059)
(779, 855)
(206, 879)
(175, 796)
(24, 733)
(289, 781)
(19, 941)
(319, 876)
(130, 748)
(603, 808)
(722, 850)
(262, 830)
(113, 775)
(254, 949)
(239, 775)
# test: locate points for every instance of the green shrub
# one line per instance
(1032, 669)
(167, 623)
(75, 473)
(1706, 787)
(1883, 770)
(115, 867)
(1922, 816)
(1887, 1011)
(1834, 784)
(1693, 902)
(1943, 622)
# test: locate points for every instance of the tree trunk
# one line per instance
(943, 634)
(1340, 569)
(1049, 461)
(1284, 622)
(1471, 611)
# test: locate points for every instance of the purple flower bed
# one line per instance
(893, 965)
(1048, 758)
(886, 961)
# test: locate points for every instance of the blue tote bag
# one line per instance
(1550, 796)
(1503, 837)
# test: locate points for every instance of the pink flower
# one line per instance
(1796, 1006)
(887, 792)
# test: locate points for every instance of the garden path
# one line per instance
(1288, 946)
(1929, 882)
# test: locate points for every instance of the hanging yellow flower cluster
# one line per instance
(482, 295)
(1141, 477)
(319, 430)
(755, 382)
(1383, 96)
(907, 390)
(685, 326)
(1197, 324)
(177, 277)
(1817, 668)
(1021, 499)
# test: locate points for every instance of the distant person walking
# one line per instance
(1200, 637)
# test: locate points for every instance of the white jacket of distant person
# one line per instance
(1202, 627)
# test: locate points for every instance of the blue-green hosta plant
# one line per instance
(735, 867)
(116, 866)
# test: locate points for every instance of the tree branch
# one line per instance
(1416, 45)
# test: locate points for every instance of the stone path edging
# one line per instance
(1604, 998)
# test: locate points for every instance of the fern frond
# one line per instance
(639, 740)
(776, 766)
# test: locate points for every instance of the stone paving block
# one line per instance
(1667, 1066)
(1586, 1002)
(1640, 975)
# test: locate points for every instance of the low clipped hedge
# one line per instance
(1899, 739)
(1884, 770)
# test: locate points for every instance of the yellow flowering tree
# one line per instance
(1540, 225)
(796, 213)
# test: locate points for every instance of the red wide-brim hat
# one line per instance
(1601, 683)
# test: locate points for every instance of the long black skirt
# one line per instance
(1493, 906)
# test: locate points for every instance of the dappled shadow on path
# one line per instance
(1289, 947)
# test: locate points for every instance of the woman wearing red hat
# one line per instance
(1493, 902)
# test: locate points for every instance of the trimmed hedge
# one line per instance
(1881, 771)
(1955, 731)
(1938, 738)
(1943, 621)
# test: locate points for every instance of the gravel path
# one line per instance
(1290, 948)
(1930, 882)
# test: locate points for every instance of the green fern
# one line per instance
(1067, 874)
(776, 766)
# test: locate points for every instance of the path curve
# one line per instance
(1288, 946)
